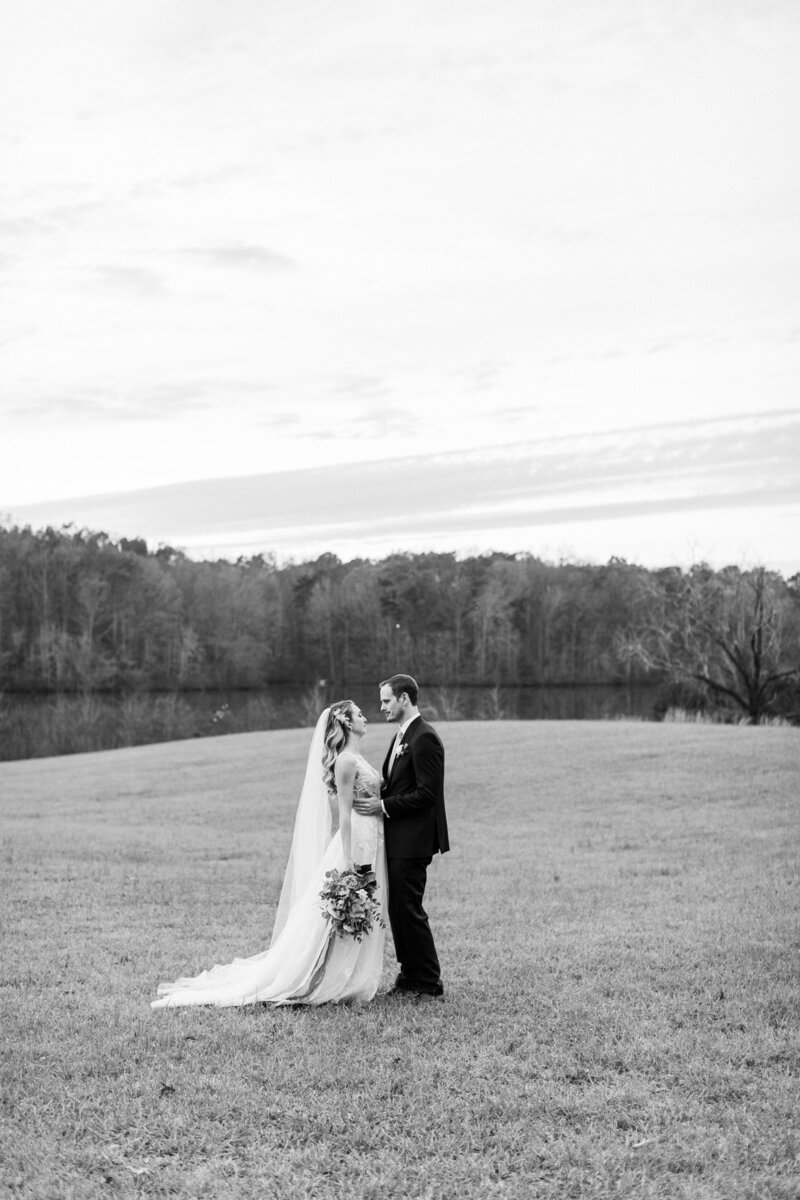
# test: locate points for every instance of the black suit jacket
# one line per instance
(413, 795)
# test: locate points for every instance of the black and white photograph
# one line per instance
(400, 600)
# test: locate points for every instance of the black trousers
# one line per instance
(413, 940)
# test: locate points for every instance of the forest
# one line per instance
(81, 612)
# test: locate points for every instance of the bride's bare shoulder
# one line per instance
(346, 764)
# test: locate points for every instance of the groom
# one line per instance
(412, 800)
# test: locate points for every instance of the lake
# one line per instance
(36, 726)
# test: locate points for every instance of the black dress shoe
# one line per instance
(403, 986)
(430, 993)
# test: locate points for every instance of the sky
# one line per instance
(355, 278)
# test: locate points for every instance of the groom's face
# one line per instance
(391, 707)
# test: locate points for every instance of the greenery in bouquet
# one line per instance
(349, 902)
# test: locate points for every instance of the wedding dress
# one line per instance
(306, 963)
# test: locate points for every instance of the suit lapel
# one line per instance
(406, 738)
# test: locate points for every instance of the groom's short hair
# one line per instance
(400, 684)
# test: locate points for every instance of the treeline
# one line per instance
(82, 612)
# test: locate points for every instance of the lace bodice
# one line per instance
(367, 781)
(366, 832)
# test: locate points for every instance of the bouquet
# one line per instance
(348, 902)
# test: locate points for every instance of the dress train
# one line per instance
(307, 963)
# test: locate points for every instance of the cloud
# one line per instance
(25, 226)
(374, 412)
(480, 377)
(92, 405)
(154, 402)
(280, 421)
(380, 425)
(39, 217)
(78, 406)
(137, 280)
(361, 387)
(89, 408)
(198, 181)
(213, 178)
(241, 255)
(699, 467)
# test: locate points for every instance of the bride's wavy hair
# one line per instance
(336, 730)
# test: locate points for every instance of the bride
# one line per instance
(306, 963)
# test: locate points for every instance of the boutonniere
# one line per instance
(401, 750)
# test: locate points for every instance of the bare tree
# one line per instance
(735, 633)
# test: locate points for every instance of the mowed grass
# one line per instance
(618, 928)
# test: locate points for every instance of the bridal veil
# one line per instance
(312, 830)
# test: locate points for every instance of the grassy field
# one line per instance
(618, 924)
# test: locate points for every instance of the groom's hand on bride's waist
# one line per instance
(367, 807)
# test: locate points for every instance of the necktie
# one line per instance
(395, 748)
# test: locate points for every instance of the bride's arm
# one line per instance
(345, 774)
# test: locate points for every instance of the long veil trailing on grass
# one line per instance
(305, 963)
(312, 830)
